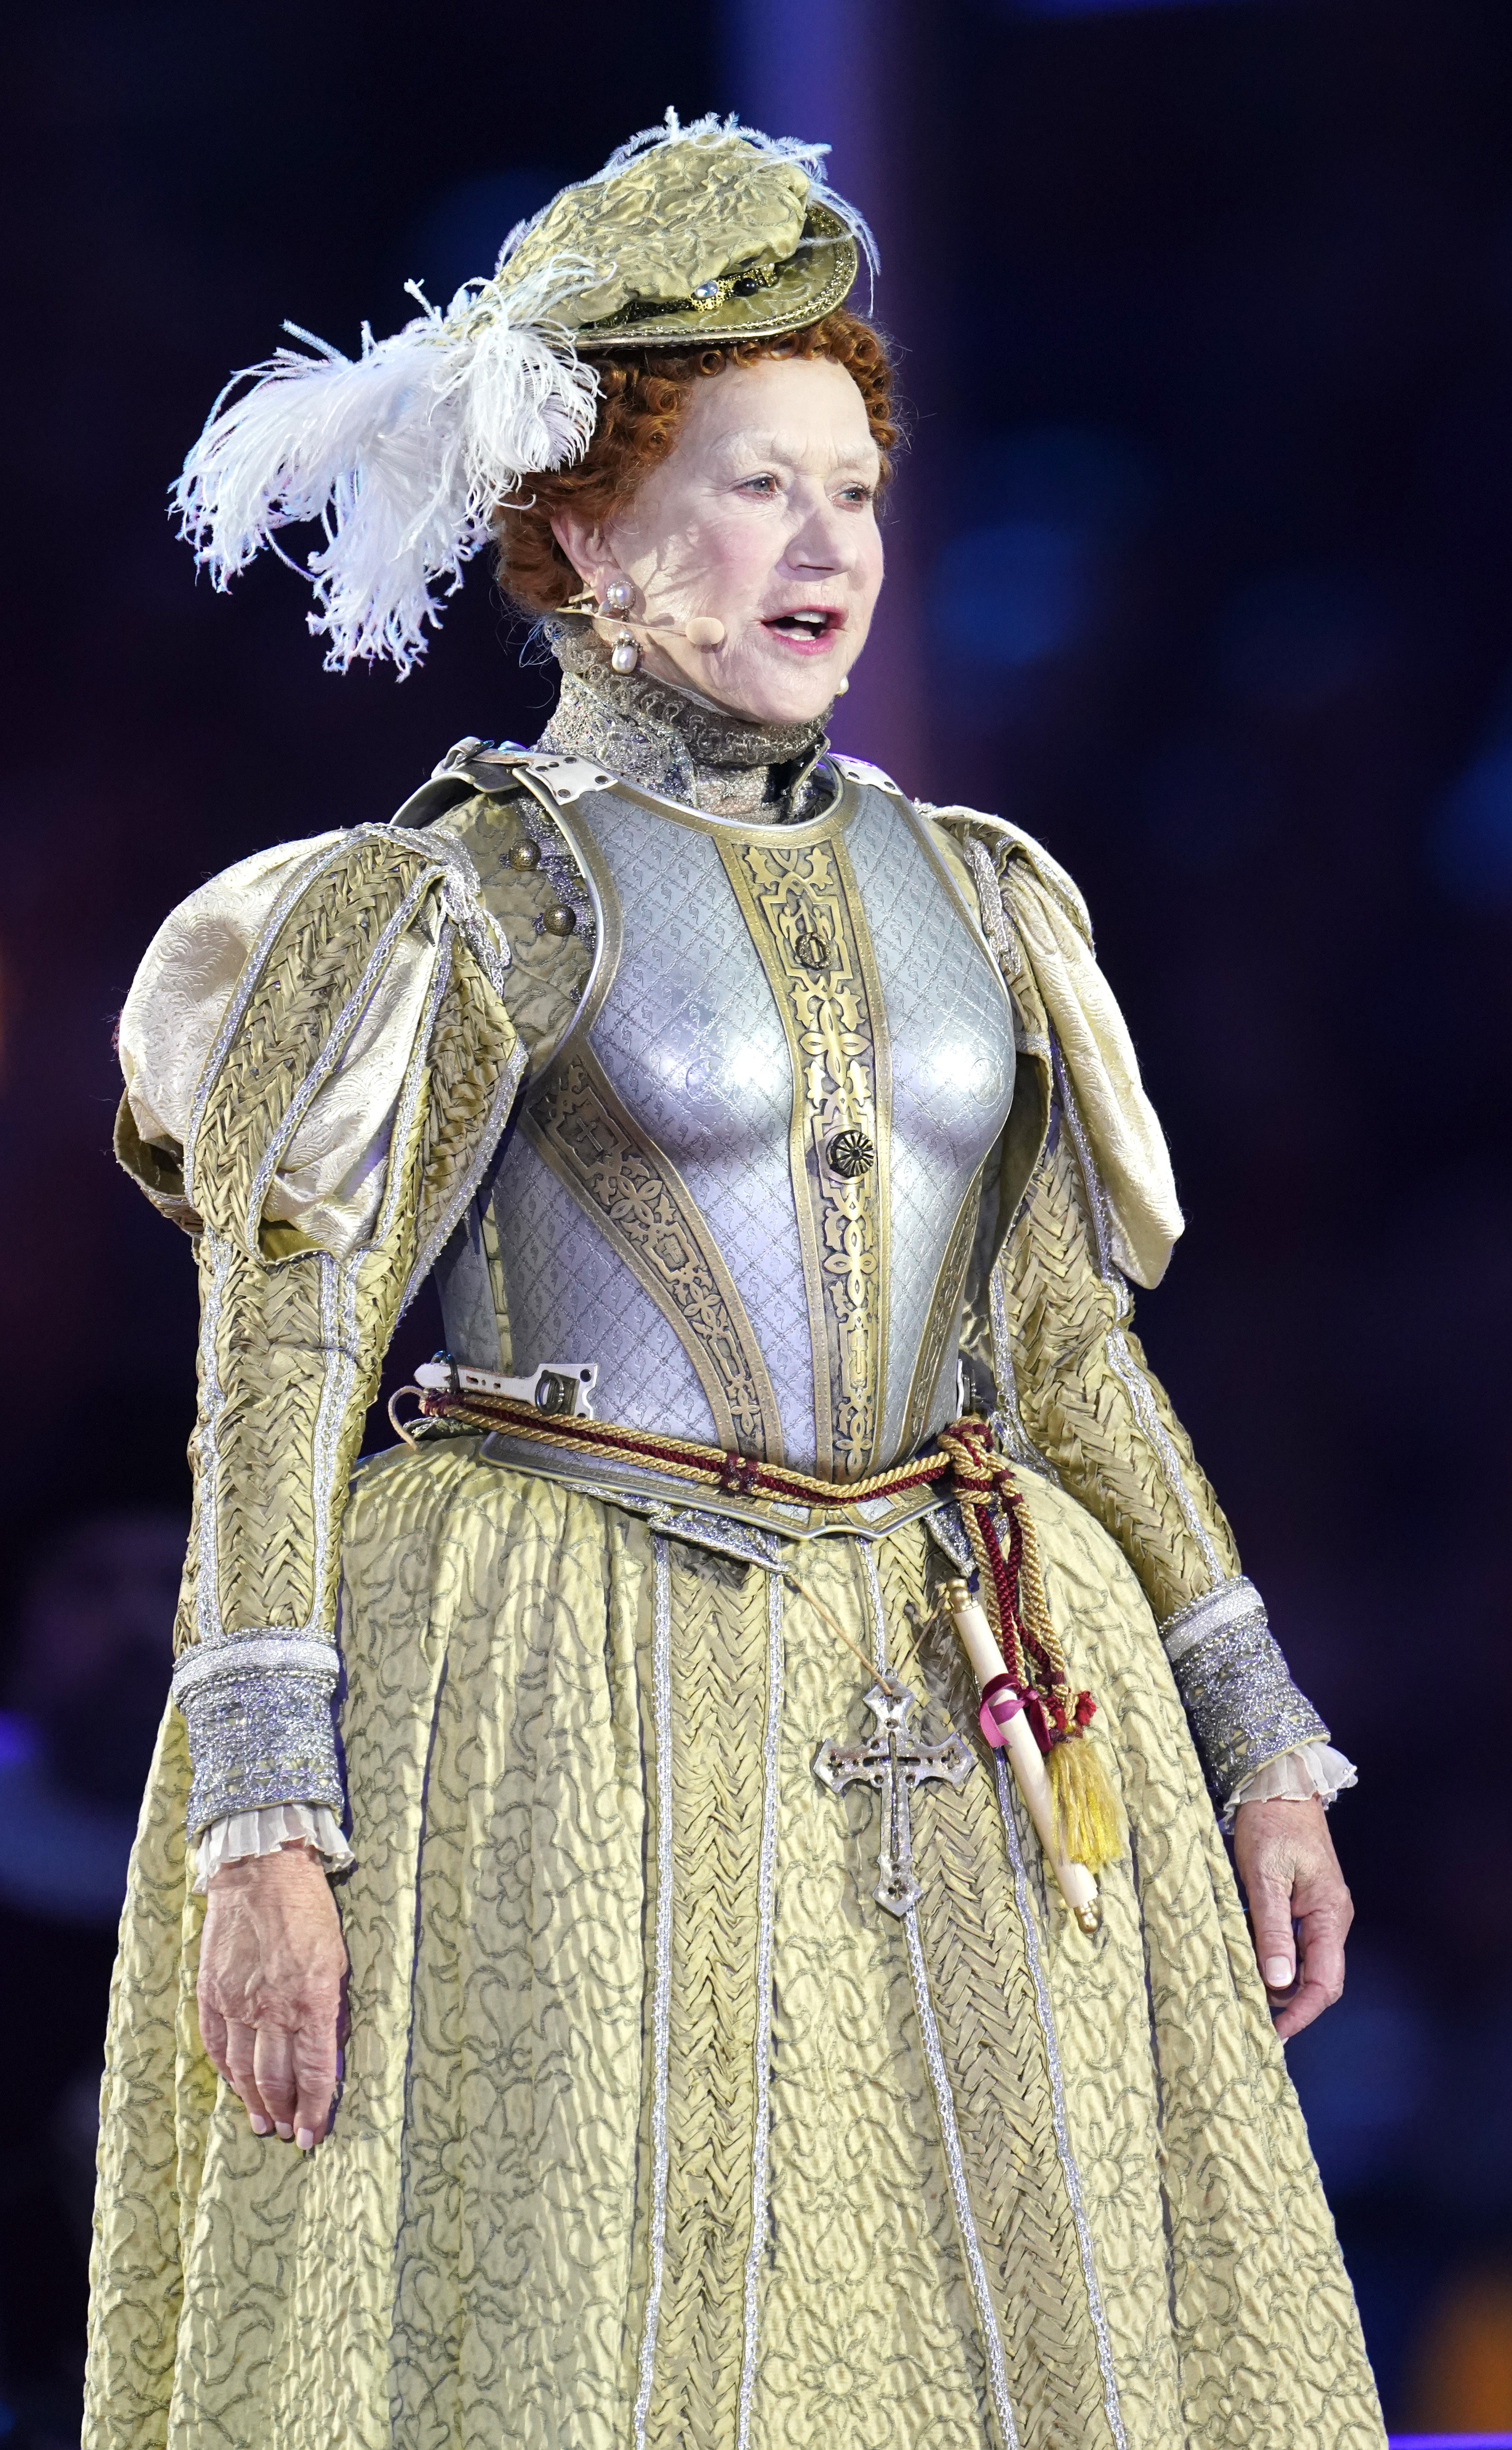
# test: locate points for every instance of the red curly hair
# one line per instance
(643, 394)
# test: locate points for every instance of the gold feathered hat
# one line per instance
(712, 232)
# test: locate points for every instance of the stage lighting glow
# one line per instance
(1110, 7)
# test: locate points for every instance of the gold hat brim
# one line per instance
(752, 301)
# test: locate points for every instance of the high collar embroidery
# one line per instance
(670, 742)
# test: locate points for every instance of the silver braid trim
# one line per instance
(996, 2362)
(1241, 1703)
(662, 1991)
(207, 1437)
(1069, 2170)
(956, 2163)
(997, 926)
(767, 1902)
(1235, 1602)
(253, 1654)
(262, 1736)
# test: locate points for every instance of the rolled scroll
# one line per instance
(1006, 1729)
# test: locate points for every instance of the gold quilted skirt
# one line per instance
(656, 2130)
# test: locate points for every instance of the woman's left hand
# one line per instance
(1290, 1873)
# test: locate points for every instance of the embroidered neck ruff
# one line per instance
(675, 744)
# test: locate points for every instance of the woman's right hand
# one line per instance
(272, 1962)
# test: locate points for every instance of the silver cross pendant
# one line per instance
(893, 1762)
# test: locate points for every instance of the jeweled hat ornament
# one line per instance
(712, 232)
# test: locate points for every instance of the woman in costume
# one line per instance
(735, 2052)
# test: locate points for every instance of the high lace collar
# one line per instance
(673, 742)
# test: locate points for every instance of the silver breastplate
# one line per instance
(746, 1182)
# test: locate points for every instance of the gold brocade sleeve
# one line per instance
(293, 1335)
(1086, 1401)
(1053, 1314)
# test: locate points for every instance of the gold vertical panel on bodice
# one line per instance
(803, 909)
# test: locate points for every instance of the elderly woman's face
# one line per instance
(762, 517)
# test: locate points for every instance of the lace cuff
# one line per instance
(1294, 1777)
(264, 1831)
(257, 1708)
(1244, 1710)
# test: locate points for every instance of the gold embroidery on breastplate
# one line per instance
(945, 1302)
(803, 909)
(647, 1215)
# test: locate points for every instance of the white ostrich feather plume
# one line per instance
(401, 453)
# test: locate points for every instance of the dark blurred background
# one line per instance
(1201, 570)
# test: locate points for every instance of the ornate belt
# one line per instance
(965, 1465)
(708, 1470)
(1018, 1657)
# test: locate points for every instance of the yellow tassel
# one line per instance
(1089, 1823)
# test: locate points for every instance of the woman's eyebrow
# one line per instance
(773, 446)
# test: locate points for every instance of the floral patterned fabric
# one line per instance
(655, 2126)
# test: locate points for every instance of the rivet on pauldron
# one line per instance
(559, 920)
(812, 951)
(526, 854)
(851, 1154)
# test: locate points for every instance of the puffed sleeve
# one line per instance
(318, 1061)
(1092, 1206)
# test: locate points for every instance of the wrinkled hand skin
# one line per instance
(272, 1963)
(1284, 1857)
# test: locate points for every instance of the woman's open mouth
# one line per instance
(806, 630)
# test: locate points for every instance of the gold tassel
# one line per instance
(1089, 1823)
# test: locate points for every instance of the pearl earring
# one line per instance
(843, 685)
(619, 597)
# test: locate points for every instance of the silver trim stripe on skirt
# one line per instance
(767, 1890)
(940, 2078)
(662, 1992)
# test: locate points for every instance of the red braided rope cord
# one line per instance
(684, 1457)
(968, 1465)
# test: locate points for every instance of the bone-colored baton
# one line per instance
(1007, 1730)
